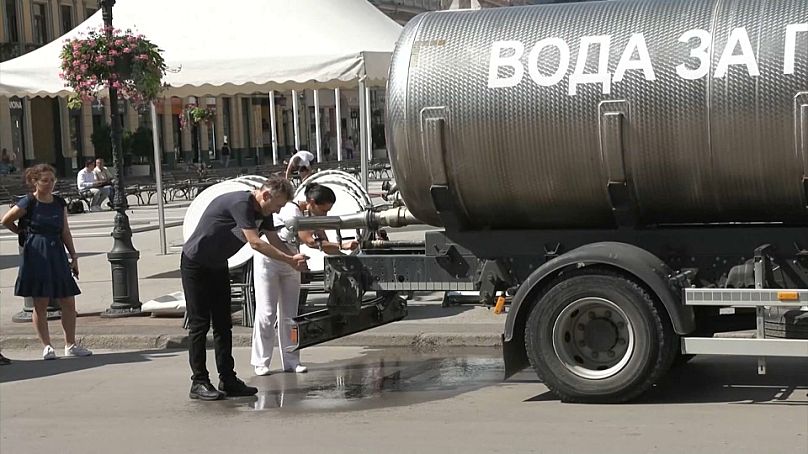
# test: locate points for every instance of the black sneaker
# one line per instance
(204, 391)
(236, 388)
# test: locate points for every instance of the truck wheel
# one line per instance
(598, 337)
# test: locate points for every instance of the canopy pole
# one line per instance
(28, 133)
(317, 139)
(368, 124)
(339, 123)
(158, 175)
(272, 123)
(296, 120)
(363, 137)
(213, 133)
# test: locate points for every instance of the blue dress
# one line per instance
(45, 270)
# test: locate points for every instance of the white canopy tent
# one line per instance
(215, 48)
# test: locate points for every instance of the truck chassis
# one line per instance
(601, 315)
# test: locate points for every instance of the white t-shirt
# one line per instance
(102, 174)
(289, 211)
(303, 157)
(85, 179)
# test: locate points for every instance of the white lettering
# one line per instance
(702, 53)
(512, 61)
(635, 43)
(602, 76)
(15, 104)
(737, 37)
(563, 61)
(791, 45)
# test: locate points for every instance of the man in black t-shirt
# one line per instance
(227, 223)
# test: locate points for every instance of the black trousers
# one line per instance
(207, 297)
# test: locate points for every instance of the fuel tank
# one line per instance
(592, 115)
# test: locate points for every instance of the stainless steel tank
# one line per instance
(694, 111)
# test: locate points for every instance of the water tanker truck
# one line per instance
(626, 169)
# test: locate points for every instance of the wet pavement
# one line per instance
(356, 400)
(378, 380)
(371, 379)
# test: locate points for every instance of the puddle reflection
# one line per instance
(375, 383)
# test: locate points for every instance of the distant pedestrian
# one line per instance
(7, 162)
(86, 182)
(45, 272)
(300, 163)
(348, 147)
(228, 222)
(104, 176)
(226, 153)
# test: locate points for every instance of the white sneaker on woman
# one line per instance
(261, 370)
(299, 369)
(76, 350)
(48, 353)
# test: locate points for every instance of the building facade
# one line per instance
(45, 130)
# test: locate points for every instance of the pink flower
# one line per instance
(127, 50)
(84, 67)
(76, 54)
(119, 42)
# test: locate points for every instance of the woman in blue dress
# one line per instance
(45, 271)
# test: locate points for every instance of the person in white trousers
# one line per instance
(277, 285)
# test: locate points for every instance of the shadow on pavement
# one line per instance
(174, 274)
(726, 380)
(21, 369)
(8, 261)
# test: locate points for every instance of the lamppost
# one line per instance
(123, 257)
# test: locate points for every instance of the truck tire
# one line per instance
(596, 336)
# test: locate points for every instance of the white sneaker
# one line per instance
(48, 353)
(299, 369)
(261, 370)
(77, 350)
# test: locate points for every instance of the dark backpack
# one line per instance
(24, 222)
(75, 207)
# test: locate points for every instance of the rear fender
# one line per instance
(647, 268)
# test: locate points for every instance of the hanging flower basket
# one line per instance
(195, 114)
(130, 63)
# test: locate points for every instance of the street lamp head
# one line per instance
(106, 3)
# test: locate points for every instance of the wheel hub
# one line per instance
(593, 338)
(600, 335)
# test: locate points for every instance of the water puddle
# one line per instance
(372, 382)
